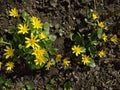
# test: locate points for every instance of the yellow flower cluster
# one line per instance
(36, 22)
(9, 66)
(104, 37)
(86, 59)
(77, 50)
(9, 52)
(102, 53)
(39, 54)
(100, 24)
(48, 65)
(66, 62)
(58, 58)
(114, 39)
(23, 28)
(13, 12)
(94, 16)
(32, 41)
(42, 36)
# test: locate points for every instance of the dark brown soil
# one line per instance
(69, 14)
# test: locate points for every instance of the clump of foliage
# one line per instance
(88, 41)
(5, 83)
(30, 42)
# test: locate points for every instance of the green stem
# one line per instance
(6, 43)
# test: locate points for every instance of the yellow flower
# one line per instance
(36, 22)
(48, 65)
(102, 25)
(23, 28)
(66, 62)
(39, 61)
(102, 53)
(58, 58)
(42, 36)
(38, 52)
(94, 16)
(77, 50)
(86, 59)
(32, 41)
(104, 37)
(114, 39)
(9, 66)
(0, 65)
(9, 52)
(13, 12)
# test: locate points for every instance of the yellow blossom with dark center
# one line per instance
(9, 52)
(66, 62)
(40, 60)
(104, 37)
(42, 36)
(32, 41)
(102, 53)
(58, 58)
(36, 22)
(86, 59)
(23, 28)
(77, 50)
(114, 39)
(9, 66)
(94, 16)
(48, 65)
(13, 12)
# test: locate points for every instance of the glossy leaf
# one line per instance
(30, 86)
(99, 33)
(92, 63)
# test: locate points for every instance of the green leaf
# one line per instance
(92, 50)
(67, 86)
(93, 36)
(30, 86)
(46, 28)
(92, 63)
(99, 33)
(12, 30)
(48, 86)
(8, 83)
(25, 16)
(94, 42)
(23, 88)
(79, 39)
(2, 80)
(52, 51)
(60, 88)
(52, 37)
(48, 44)
(4, 88)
